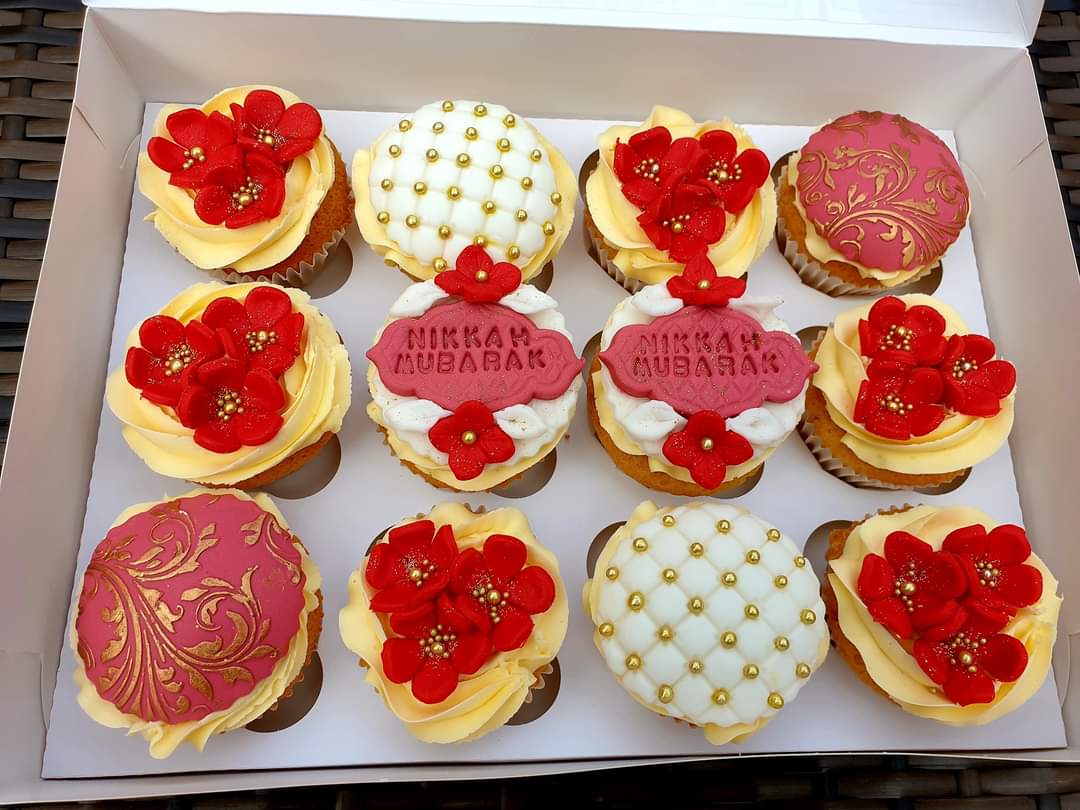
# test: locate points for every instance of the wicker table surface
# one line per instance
(39, 50)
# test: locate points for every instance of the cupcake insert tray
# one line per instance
(591, 717)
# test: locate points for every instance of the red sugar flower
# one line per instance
(241, 195)
(262, 331)
(912, 587)
(167, 354)
(706, 447)
(683, 221)
(649, 162)
(497, 592)
(472, 439)
(899, 332)
(199, 143)
(477, 278)
(230, 405)
(732, 178)
(267, 126)
(975, 383)
(967, 661)
(994, 564)
(700, 285)
(436, 646)
(412, 567)
(898, 401)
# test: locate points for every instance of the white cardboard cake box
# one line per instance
(958, 66)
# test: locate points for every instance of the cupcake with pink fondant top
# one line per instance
(870, 203)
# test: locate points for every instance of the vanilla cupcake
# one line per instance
(695, 384)
(869, 204)
(708, 615)
(473, 376)
(247, 186)
(457, 617)
(232, 385)
(668, 189)
(153, 655)
(460, 173)
(905, 396)
(943, 611)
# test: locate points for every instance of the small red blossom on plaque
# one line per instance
(498, 592)
(912, 587)
(975, 383)
(472, 439)
(229, 404)
(267, 126)
(684, 221)
(732, 176)
(199, 143)
(477, 278)
(168, 352)
(412, 567)
(899, 332)
(262, 330)
(699, 285)
(239, 195)
(898, 401)
(706, 448)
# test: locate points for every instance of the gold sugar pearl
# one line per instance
(607, 629)
(394, 150)
(513, 252)
(728, 578)
(633, 661)
(535, 155)
(640, 544)
(453, 192)
(439, 264)
(807, 616)
(383, 217)
(444, 231)
(773, 534)
(526, 183)
(665, 633)
(481, 276)
(800, 561)
(802, 670)
(387, 184)
(503, 144)
(696, 549)
(720, 697)
(723, 526)
(419, 187)
(438, 127)
(696, 605)
(496, 171)
(776, 700)
(728, 639)
(612, 573)
(480, 240)
(636, 601)
(448, 106)
(670, 574)
(780, 581)
(509, 121)
(781, 643)
(471, 134)
(753, 556)
(695, 667)
(668, 520)
(432, 155)
(665, 694)
(463, 159)
(751, 671)
(549, 229)
(489, 207)
(412, 220)
(404, 125)
(480, 110)
(556, 198)
(751, 611)
(521, 215)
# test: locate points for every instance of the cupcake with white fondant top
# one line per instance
(473, 377)
(460, 173)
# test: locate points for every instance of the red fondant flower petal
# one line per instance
(470, 652)
(262, 392)
(504, 556)
(413, 622)
(159, 334)
(496, 444)
(401, 659)
(1003, 657)
(384, 567)
(266, 305)
(966, 540)
(891, 614)
(411, 538)
(965, 688)
(467, 570)
(443, 547)
(213, 204)
(217, 436)
(1007, 544)
(263, 109)
(399, 596)
(1020, 585)
(932, 659)
(532, 590)
(165, 154)
(300, 121)
(449, 614)
(652, 143)
(876, 578)
(471, 609)
(435, 682)
(513, 629)
(903, 548)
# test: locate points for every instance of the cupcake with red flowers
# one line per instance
(232, 385)
(457, 616)
(670, 188)
(943, 611)
(870, 204)
(247, 186)
(696, 384)
(473, 376)
(905, 396)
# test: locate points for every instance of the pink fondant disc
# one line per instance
(187, 606)
(882, 191)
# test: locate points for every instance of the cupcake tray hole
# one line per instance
(778, 166)
(291, 710)
(809, 335)
(588, 353)
(542, 280)
(312, 477)
(587, 168)
(597, 545)
(540, 699)
(818, 541)
(743, 488)
(927, 285)
(334, 273)
(532, 480)
(946, 488)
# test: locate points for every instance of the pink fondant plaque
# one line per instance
(463, 351)
(187, 606)
(882, 191)
(707, 358)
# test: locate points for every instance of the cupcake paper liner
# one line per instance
(540, 673)
(834, 466)
(298, 276)
(598, 250)
(813, 275)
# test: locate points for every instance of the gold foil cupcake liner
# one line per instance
(298, 276)
(813, 275)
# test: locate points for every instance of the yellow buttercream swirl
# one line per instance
(957, 443)
(318, 391)
(253, 247)
(891, 667)
(164, 738)
(486, 700)
(746, 234)
(821, 251)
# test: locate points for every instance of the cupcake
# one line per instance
(196, 616)
(473, 376)
(905, 397)
(870, 203)
(248, 186)
(943, 611)
(459, 173)
(695, 384)
(232, 385)
(456, 616)
(668, 189)
(708, 615)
